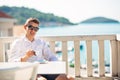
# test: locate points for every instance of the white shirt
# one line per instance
(22, 45)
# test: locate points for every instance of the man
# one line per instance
(30, 49)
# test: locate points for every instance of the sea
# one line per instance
(83, 29)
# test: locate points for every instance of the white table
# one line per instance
(53, 67)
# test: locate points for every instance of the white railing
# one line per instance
(114, 54)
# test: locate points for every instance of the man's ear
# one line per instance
(25, 26)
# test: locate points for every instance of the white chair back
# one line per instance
(18, 71)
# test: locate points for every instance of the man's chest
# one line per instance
(31, 46)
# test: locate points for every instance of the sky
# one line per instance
(74, 10)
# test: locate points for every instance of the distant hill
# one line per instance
(46, 19)
(100, 20)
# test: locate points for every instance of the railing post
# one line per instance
(52, 46)
(64, 54)
(118, 46)
(77, 58)
(89, 58)
(114, 58)
(2, 51)
(101, 58)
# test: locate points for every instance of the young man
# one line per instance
(30, 49)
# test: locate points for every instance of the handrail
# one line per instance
(114, 52)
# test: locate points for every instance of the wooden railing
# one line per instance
(114, 54)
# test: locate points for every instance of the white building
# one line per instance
(6, 24)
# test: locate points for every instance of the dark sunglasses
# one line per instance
(30, 27)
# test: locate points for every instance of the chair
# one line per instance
(18, 71)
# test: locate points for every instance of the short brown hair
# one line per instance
(35, 20)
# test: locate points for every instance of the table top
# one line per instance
(11, 65)
(52, 67)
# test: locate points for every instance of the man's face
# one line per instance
(31, 29)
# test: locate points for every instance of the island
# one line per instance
(100, 20)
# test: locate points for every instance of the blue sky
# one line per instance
(74, 10)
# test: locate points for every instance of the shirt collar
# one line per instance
(26, 39)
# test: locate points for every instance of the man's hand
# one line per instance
(28, 54)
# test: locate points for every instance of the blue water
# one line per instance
(83, 29)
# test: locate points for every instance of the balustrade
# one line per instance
(88, 39)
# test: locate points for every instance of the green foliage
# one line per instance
(22, 13)
(72, 65)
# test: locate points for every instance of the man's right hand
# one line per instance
(28, 54)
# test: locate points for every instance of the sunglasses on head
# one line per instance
(30, 27)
